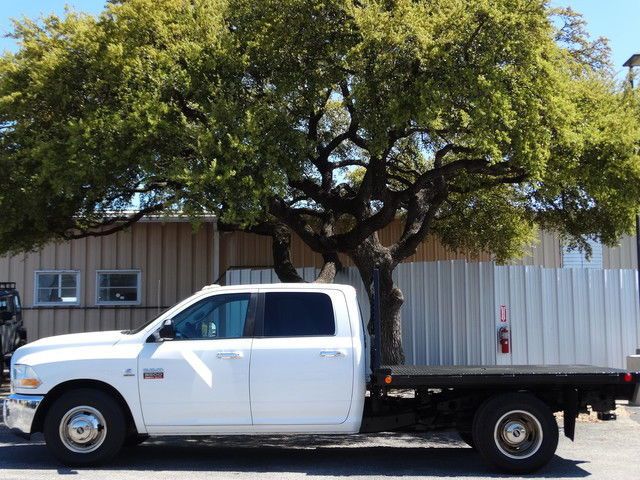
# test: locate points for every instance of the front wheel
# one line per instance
(515, 432)
(84, 427)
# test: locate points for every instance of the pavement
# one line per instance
(603, 450)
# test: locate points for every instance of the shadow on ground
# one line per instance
(346, 456)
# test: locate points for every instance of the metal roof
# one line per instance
(634, 61)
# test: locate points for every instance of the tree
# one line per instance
(477, 121)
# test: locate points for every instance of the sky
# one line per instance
(618, 20)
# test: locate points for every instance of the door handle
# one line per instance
(332, 353)
(229, 355)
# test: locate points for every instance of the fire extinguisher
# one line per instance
(504, 339)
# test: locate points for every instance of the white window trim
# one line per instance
(111, 303)
(36, 303)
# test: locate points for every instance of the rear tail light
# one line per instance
(627, 377)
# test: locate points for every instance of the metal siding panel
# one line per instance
(109, 248)
(139, 257)
(623, 256)
(457, 298)
(518, 308)
(612, 317)
(550, 316)
(597, 331)
(32, 263)
(564, 308)
(31, 323)
(432, 315)
(534, 319)
(76, 320)
(172, 271)
(48, 257)
(201, 268)
(451, 312)
(124, 251)
(153, 260)
(580, 317)
(93, 262)
(46, 324)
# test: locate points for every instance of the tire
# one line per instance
(515, 432)
(85, 445)
(467, 437)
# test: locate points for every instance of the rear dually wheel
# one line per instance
(515, 432)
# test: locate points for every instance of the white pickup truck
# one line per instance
(282, 359)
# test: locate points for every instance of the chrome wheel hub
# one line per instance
(515, 433)
(518, 434)
(83, 429)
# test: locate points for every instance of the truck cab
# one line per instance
(227, 360)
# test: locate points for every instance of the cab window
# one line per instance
(298, 314)
(219, 316)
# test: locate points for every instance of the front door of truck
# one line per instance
(302, 359)
(202, 376)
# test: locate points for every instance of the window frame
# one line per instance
(37, 303)
(259, 328)
(112, 303)
(249, 324)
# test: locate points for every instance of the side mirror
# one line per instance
(5, 316)
(167, 332)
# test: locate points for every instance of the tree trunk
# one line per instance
(330, 268)
(283, 265)
(369, 255)
(281, 251)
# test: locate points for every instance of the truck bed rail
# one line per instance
(414, 376)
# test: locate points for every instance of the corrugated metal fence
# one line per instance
(453, 309)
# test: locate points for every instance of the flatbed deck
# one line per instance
(412, 376)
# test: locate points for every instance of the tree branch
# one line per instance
(119, 222)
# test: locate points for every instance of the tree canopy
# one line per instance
(478, 121)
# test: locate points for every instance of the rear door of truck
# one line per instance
(302, 358)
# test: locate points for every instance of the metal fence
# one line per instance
(453, 310)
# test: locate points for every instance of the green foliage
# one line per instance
(230, 106)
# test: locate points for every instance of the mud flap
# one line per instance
(571, 400)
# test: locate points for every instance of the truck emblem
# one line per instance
(129, 373)
(153, 373)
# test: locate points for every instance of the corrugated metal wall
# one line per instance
(239, 249)
(569, 316)
(578, 259)
(174, 261)
(625, 255)
(452, 312)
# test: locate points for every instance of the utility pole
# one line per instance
(634, 61)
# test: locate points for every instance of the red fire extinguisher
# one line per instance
(504, 339)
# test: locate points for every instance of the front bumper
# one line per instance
(19, 412)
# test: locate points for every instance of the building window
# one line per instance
(118, 287)
(57, 288)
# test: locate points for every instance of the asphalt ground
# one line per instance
(603, 450)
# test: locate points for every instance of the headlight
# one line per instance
(23, 376)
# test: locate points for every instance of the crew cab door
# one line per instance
(302, 363)
(202, 376)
